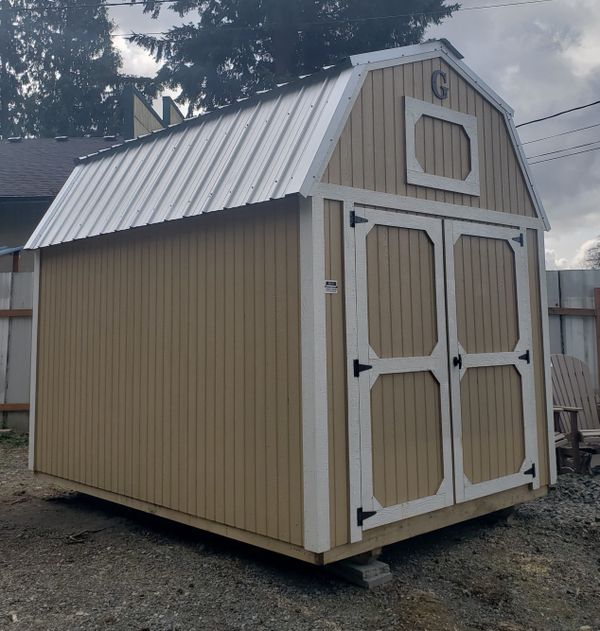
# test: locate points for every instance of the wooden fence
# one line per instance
(574, 309)
(15, 348)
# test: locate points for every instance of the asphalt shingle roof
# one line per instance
(38, 167)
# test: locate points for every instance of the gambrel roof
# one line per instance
(269, 146)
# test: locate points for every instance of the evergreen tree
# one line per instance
(240, 46)
(76, 73)
(59, 69)
(16, 47)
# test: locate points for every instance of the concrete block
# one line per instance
(372, 574)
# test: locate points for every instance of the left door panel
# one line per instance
(401, 368)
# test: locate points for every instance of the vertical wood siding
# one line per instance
(486, 295)
(169, 367)
(401, 292)
(492, 422)
(336, 377)
(371, 151)
(538, 355)
(407, 437)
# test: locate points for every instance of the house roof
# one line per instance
(269, 146)
(38, 167)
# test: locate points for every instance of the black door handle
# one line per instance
(457, 362)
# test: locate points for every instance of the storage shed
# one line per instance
(313, 321)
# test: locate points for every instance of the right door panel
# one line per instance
(491, 378)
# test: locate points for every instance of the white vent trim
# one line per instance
(413, 111)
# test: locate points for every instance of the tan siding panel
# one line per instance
(155, 348)
(406, 420)
(336, 377)
(374, 139)
(486, 295)
(401, 292)
(492, 414)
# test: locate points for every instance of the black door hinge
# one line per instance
(354, 219)
(525, 357)
(358, 367)
(530, 471)
(519, 239)
(361, 515)
(457, 361)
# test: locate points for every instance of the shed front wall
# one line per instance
(338, 414)
(371, 152)
(169, 368)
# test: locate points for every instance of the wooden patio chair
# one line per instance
(576, 418)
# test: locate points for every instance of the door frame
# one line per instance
(516, 238)
(359, 417)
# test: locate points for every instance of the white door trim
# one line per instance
(464, 489)
(359, 388)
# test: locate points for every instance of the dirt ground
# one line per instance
(539, 570)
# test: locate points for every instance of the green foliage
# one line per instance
(59, 69)
(240, 46)
(15, 73)
(13, 440)
(76, 73)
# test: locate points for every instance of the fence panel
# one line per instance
(15, 348)
(574, 308)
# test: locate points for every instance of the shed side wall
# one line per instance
(169, 367)
(371, 152)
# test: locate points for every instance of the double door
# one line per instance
(443, 372)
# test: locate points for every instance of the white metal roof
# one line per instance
(267, 147)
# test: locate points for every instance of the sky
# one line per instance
(541, 58)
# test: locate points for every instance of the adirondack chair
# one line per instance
(576, 416)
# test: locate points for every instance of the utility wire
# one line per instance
(573, 109)
(566, 156)
(132, 3)
(550, 153)
(564, 133)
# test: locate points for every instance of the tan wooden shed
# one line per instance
(313, 321)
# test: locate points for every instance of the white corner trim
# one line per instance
(546, 357)
(315, 447)
(414, 110)
(33, 367)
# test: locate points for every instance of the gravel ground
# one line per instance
(540, 569)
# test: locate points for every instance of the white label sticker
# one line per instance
(331, 287)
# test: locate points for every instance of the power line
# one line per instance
(132, 3)
(565, 156)
(573, 109)
(550, 153)
(564, 133)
